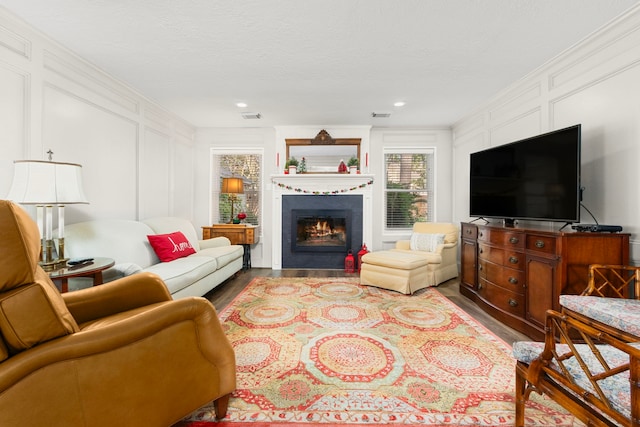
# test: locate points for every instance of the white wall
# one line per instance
(232, 139)
(385, 138)
(137, 158)
(595, 83)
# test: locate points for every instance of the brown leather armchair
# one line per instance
(119, 354)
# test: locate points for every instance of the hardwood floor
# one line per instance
(223, 294)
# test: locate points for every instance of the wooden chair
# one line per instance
(589, 362)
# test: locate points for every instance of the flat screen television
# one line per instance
(537, 178)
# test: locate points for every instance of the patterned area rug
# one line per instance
(329, 351)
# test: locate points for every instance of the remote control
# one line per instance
(77, 261)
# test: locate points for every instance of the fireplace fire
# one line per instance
(325, 230)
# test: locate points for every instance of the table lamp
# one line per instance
(232, 186)
(46, 184)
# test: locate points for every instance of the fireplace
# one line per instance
(321, 230)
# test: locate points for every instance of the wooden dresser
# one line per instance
(239, 234)
(517, 274)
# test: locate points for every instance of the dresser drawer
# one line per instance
(507, 278)
(541, 243)
(501, 298)
(504, 238)
(491, 254)
(500, 256)
(469, 231)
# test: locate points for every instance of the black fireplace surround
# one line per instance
(319, 230)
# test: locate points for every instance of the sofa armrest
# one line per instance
(215, 242)
(119, 295)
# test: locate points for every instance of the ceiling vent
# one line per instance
(382, 115)
(251, 115)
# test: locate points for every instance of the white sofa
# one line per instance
(126, 242)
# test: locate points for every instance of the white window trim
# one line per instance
(213, 168)
(407, 150)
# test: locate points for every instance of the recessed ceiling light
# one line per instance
(399, 104)
(241, 105)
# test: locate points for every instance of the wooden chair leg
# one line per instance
(520, 395)
(220, 406)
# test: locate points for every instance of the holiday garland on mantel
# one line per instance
(324, 193)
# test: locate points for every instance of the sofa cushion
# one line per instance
(164, 225)
(123, 240)
(449, 230)
(32, 314)
(400, 260)
(223, 254)
(171, 246)
(616, 387)
(426, 241)
(183, 272)
(19, 246)
(620, 313)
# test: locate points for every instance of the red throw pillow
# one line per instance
(171, 246)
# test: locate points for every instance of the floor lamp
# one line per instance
(232, 186)
(46, 185)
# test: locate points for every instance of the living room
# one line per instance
(159, 164)
(141, 159)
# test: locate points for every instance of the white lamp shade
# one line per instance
(37, 182)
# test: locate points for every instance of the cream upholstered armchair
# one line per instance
(120, 354)
(427, 259)
(437, 242)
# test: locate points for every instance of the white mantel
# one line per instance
(319, 184)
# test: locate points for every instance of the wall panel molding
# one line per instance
(15, 43)
(518, 103)
(88, 80)
(25, 90)
(601, 56)
(87, 101)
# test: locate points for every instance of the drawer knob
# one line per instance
(481, 234)
(481, 251)
(513, 303)
(513, 280)
(479, 286)
(513, 260)
(479, 268)
(514, 240)
(539, 244)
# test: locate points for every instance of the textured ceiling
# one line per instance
(318, 62)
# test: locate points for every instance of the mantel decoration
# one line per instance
(322, 153)
(291, 165)
(323, 193)
(323, 138)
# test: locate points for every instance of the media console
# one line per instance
(517, 274)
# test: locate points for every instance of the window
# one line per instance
(409, 193)
(245, 164)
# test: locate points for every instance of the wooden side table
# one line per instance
(239, 234)
(93, 269)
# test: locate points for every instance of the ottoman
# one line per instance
(396, 271)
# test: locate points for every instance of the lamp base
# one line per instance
(53, 259)
(54, 265)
